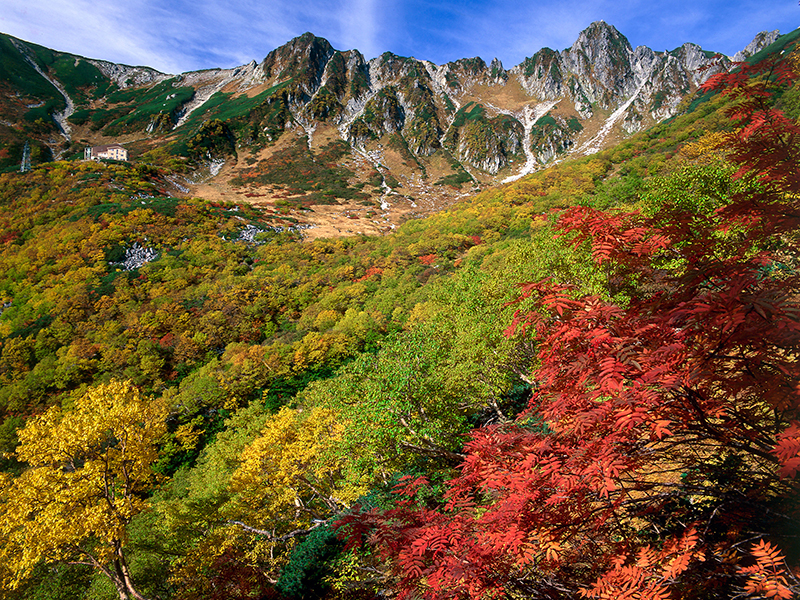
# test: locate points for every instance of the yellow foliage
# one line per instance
(87, 472)
(287, 469)
(794, 60)
(316, 349)
(344, 272)
(359, 324)
(421, 312)
(188, 434)
(326, 319)
(286, 480)
(712, 144)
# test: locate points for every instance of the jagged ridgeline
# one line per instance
(462, 122)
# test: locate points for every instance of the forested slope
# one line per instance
(198, 404)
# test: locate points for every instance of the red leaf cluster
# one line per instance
(370, 272)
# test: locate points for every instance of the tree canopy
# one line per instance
(497, 401)
(88, 473)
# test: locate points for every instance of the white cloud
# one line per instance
(80, 27)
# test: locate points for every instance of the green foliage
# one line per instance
(699, 189)
(574, 124)
(81, 79)
(382, 113)
(546, 121)
(554, 134)
(212, 141)
(475, 137)
(471, 111)
(456, 179)
(533, 65)
(19, 74)
(251, 120)
(8, 441)
(400, 336)
(304, 575)
(790, 102)
(80, 117)
(60, 582)
(617, 191)
(324, 104)
(133, 109)
(422, 389)
(784, 42)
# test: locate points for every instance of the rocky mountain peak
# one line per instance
(599, 41)
(470, 66)
(695, 61)
(761, 41)
(456, 116)
(304, 56)
(601, 56)
(497, 71)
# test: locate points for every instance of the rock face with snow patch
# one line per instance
(125, 76)
(137, 256)
(601, 72)
(423, 105)
(484, 141)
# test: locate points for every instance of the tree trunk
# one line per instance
(122, 577)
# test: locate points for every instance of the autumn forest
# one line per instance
(582, 384)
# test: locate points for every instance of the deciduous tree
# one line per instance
(88, 470)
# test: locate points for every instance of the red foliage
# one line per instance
(767, 577)
(658, 431)
(9, 236)
(428, 259)
(370, 272)
(167, 341)
(232, 578)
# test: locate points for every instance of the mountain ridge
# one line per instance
(415, 123)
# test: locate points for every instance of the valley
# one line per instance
(350, 329)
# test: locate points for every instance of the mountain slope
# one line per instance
(415, 132)
(307, 377)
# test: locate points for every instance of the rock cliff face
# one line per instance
(425, 103)
(761, 41)
(482, 116)
(601, 72)
(125, 76)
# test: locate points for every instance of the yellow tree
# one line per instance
(285, 484)
(88, 472)
(290, 470)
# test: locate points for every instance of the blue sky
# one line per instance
(182, 35)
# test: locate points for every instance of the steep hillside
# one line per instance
(197, 402)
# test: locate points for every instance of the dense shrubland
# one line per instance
(287, 419)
